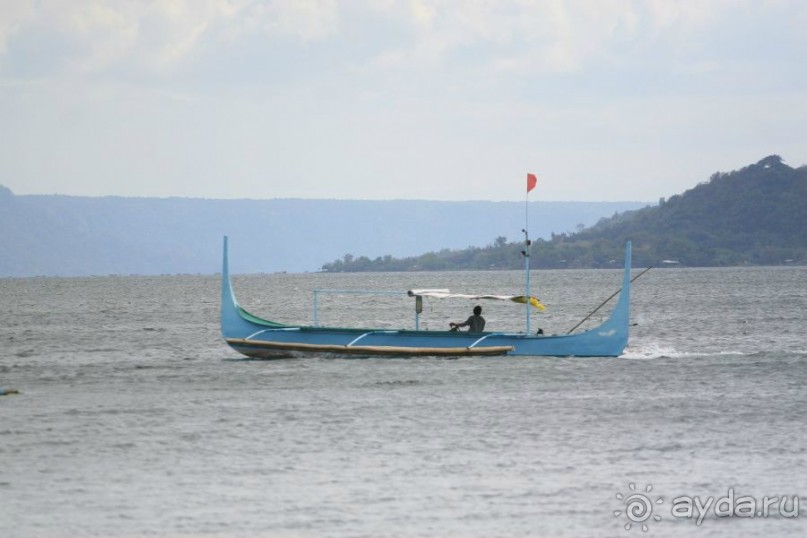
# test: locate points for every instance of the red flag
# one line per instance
(531, 182)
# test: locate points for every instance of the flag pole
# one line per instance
(531, 181)
(527, 277)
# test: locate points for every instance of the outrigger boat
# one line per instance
(260, 338)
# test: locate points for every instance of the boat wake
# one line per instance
(655, 351)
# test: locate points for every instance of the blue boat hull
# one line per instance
(259, 338)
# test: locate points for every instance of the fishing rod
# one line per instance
(606, 301)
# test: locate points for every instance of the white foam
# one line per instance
(649, 351)
(655, 351)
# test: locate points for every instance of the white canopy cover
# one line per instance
(446, 294)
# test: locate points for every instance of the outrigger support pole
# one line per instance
(606, 301)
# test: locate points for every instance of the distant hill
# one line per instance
(54, 235)
(753, 216)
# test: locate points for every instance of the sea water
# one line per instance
(135, 419)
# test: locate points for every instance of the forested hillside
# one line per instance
(753, 216)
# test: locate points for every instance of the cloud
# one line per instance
(308, 20)
(172, 96)
(96, 34)
(518, 36)
(87, 36)
(14, 18)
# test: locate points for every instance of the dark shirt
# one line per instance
(476, 324)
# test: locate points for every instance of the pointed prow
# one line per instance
(229, 305)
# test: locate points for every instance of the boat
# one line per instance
(259, 338)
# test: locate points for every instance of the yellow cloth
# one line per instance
(533, 301)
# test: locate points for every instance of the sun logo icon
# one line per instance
(638, 507)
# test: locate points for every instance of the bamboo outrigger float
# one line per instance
(260, 338)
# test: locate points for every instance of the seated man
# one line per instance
(475, 323)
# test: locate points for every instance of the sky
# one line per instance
(606, 100)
